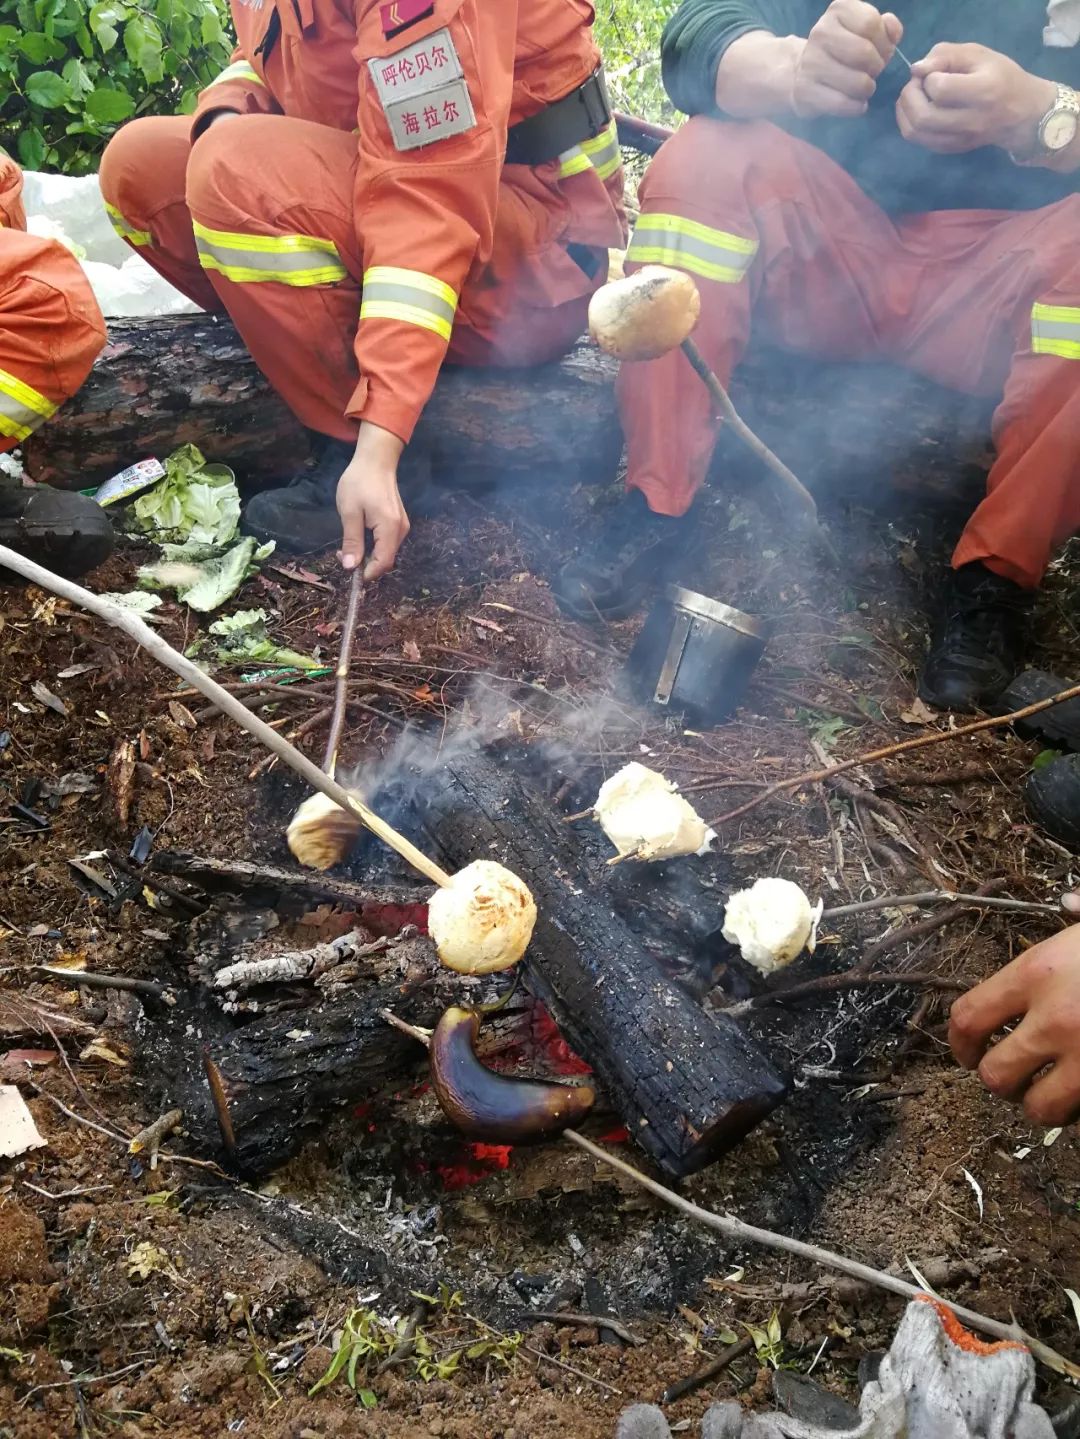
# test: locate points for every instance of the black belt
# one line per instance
(581, 115)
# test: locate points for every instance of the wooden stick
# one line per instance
(839, 984)
(341, 674)
(940, 896)
(742, 1233)
(74, 977)
(694, 1381)
(791, 483)
(890, 751)
(160, 650)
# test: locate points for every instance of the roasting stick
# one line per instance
(341, 674)
(160, 650)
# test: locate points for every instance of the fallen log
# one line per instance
(190, 380)
(688, 1085)
(843, 429)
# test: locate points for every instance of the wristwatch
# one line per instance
(1056, 130)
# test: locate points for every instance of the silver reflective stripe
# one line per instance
(288, 259)
(1055, 330)
(380, 291)
(689, 245)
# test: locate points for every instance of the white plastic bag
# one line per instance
(70, 209)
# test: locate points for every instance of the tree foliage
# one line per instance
(70, 72)
(628, 32)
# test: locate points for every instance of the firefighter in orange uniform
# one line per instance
(51, 330)
(369, 191)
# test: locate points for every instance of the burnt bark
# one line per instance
(688, 1085)
(844, 429)
(189, 379)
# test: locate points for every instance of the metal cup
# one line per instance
(695, 655)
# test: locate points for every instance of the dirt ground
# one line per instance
(137, 1301)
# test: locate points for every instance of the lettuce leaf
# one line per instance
(244, 636)
(196, 502)
(205, 583)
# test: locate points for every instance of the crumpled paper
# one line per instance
(936, 1380)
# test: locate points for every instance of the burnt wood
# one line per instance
(844, 429)
(688, 1084)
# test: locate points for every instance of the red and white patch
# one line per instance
(423, 91)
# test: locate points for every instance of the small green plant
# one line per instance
(629, 37)
(768, 1341)
(70, 72)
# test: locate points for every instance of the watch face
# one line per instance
(1059, 130)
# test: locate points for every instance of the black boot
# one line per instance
(1059, 725)
(66, 533)
(1053, 799)
(978, 642)
(611, 579)
(301, 517)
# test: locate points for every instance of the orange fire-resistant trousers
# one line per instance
(51, 328)
(264, 174)
(987, 302)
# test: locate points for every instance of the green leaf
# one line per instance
(78, 78)
(142, 41)
(46, 89)
(38, 47)
(211, 30)
(368, 1398)
(105, 21)
(9, 35)
(32, 148)
(1045, 757)
(109, 106)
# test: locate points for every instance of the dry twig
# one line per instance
(742, 1233)
(818, 776)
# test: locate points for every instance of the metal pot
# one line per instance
(695, 655)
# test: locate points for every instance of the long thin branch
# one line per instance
(341, 674)
(839, 983)
(160, 650)
(938, 896)
(817, 776)
(742, 1233)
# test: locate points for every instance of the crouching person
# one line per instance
(368, 191)
(856, 207)
(51, 331)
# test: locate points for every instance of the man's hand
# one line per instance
(368, 499)
(1041, 990)
(846, 51)
(962, 97)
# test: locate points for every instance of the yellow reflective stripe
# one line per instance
(411, 296)
(22, 409)
(125, 230)
(574, 162)
(251, 259)
(602, 154)
(1055, 330)
(689, 245)
(238, 70)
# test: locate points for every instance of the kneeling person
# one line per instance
(372, 192)
(51, 331)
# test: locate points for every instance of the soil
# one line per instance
(138, 1300)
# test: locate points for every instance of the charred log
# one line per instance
(688, 1084)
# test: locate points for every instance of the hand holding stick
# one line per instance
(164, 653)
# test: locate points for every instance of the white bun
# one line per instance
(646, 314)
(482, 920)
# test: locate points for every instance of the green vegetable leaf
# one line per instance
(46, 89)
(195, 502)
(206, 584)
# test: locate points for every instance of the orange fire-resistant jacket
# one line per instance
(50, 325)
(430, 87)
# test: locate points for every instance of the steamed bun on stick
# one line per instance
(482, 920)
(643, 815)
(772, 922)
